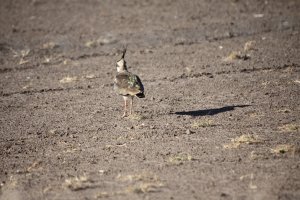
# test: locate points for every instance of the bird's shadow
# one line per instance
(213, 111)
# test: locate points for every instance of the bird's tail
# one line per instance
(140, 95)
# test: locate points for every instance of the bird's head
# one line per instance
(121, 64)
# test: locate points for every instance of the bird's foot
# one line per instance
(124, 115)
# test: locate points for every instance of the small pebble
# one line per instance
(188, 132)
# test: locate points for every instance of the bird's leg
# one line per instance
(131, 103)
(125, 106)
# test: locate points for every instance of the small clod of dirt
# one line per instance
(79, 183)
(236, 55)
(284, 148)
(136, 117)
(180, 158)
(50, 45)
(289, 127)
(243, 139)
(202, 123)
(68, 79)
(250, 45)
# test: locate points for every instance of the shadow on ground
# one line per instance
(213, 111)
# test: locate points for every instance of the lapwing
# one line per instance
(127, 84)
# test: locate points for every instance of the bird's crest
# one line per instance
(124, 52)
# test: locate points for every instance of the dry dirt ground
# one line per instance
(220, 119)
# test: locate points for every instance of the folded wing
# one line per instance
(128, 84)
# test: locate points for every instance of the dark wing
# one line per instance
(128, 84)
(140, 84)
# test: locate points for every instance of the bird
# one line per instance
(127, 84)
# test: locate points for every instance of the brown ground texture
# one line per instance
(220, 119)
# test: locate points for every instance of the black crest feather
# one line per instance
(124, 52)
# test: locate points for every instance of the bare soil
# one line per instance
(221, 117)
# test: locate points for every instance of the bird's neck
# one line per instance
(122, 70)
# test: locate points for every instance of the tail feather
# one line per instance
(140, 95)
